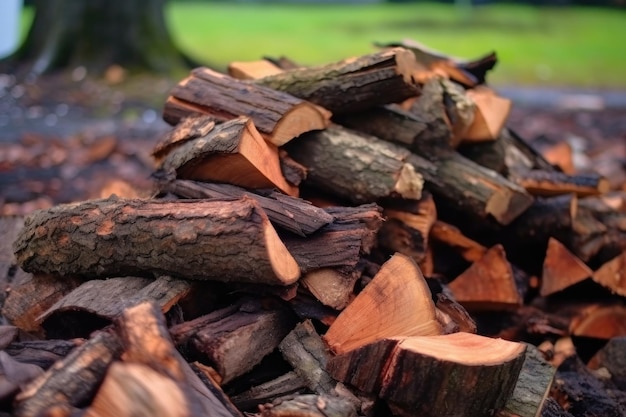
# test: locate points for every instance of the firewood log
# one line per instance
(490, 283)
(456, 180)
(293, 214)
(231, 152)
(73, 315)
(238, 342)
(252, 69)
(306, 352)
(279, 116)
(546, 183)
(532, 387)
(353, 84)
(612, 275)
(73, 381)
(397, 302)
(467, 72)
(490, 116)
(561, 269)
(285, 385)
(357, 167)
(412, 374)
(146, 342)
(115, 237)
(32, 295)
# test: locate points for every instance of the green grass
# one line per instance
(535, 46)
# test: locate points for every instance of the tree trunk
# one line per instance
(99, 33)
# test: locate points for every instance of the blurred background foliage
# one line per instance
(576, 43)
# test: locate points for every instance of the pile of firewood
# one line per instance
(362, 238)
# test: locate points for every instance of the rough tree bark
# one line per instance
(99, 33)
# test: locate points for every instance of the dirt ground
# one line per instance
(68, 137)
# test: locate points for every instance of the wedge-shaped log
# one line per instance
(490, 283)
(612, 275)
(450, 235)
(217, 240)
(490, 115)
(333, 287)
(232, 152)
(460, 374)
(279, 116)
(353, 84)
(397, 302)
(358, 167)
(561, 269)
(189, 128)
(293, 214)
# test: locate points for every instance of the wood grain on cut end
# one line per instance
(301, 118)
(410, 183)
(397, 302)
(561, 269)
(463, 348)
(612, 274)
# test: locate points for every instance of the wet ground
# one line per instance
(68, 137)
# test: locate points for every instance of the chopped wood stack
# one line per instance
(436, 264)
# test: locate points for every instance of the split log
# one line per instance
(532, 387)
(115, 237)
(293, 172)
(547, 183)
(308, 307)
(508, 154)
(490, 115)
(397, 302)
(98, 302)
(561, 269)
(289, 213)
(600, 321)
(32, 296)
(189, 128)
(9, 229)
(238, 342)
(286, 385)
(396, 369)
(306, 352)
(354, 84)
(132, 389)
(467, 72)
(252, 69)
(357, 167)
(309, 406)
(339, 244)
(490, 283)
(147, 342)
(612, 275)
(71, 382)
(232, 152)
(279, 116)
(407, 227)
